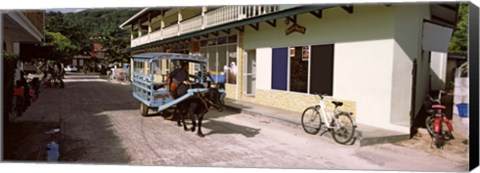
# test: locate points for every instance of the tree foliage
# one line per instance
(93, 26)
(59, 47)
(458, 43)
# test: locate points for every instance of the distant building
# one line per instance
(96, 56)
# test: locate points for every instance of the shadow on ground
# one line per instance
(221, 127)
(84, 136)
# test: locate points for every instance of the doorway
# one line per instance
(250, 69)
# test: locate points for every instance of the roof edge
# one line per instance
(133, 17)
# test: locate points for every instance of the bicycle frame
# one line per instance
(328, 117)
(440, 117)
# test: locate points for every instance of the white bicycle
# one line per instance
(340, 123)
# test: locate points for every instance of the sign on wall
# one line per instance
(305, 53)
(295, 28)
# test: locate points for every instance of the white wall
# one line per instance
(264, 68)
(362, 73)
(368, 22)
(439, 70)
(407, 47)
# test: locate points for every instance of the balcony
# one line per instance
(212, 18)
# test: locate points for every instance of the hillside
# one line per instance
(93, 26)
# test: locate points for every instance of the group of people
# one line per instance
(55, 79)
(25, 92)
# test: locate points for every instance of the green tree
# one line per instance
(94, 26)
(458, 43)
(59, 47)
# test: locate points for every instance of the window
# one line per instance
(305, 69)
(203, 43)
(222, 64)
(321, 73)
(212, 59)
(222, 57)
(298, 69)
(279, 68)
(232, 39)
(231, 73)
(222, 40)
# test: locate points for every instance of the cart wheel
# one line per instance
(143, 109)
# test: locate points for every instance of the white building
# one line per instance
(375, 58)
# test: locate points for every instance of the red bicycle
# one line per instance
(437, 120)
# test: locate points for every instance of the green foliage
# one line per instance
(93, 26)
(10, 56)
(59, 41)
(458, 43)
(58, 47)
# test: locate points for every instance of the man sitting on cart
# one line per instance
(178, 76)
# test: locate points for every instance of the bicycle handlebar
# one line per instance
(320, 95)
(434, 100)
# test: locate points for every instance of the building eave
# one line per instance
(23, 21)
(122, 26)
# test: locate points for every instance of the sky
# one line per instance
(66, 10)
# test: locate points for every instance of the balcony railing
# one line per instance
(192, 24)
(170, 31)
(223, 15)
(216, 17)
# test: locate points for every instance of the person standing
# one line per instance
(60, 73)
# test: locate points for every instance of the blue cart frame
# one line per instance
(144, 86)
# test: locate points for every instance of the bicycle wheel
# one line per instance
(439, 140)
(311, 120)
(344, 129)
(429, 125)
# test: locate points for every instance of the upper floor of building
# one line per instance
(159, 25)
(153, 24)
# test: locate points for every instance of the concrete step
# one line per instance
(365, 135)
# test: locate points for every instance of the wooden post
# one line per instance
(179, 31)
(204, 17)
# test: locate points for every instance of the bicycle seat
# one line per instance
(438, 107)
(337, 104)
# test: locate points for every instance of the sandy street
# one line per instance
(100, 123)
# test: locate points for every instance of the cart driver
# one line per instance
(178, 76)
